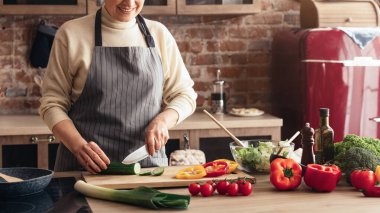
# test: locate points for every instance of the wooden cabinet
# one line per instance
(43, 7)
(193, 7)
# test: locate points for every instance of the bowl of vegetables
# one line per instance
(255, 156)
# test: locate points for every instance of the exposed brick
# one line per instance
(24, 35)
(6, 62)
(195, 72)
(204, 59)
(22, 76)
(6, 22)
(22, 49)
(201, 101)
(259, 45)
(183, 46)
(258, 58)
(265, 18)
(6, 48)
(257, 71)
(34, 91)
(292, 19)
(239, 32)
(239, 58)
(259, 85)
(204, 33)
(21, 62)
(202, 86)
(237, 100)
(32, 104)
(226, 46)
(213, 46)
(196, 47)
(257, 32)
(233, 72)
(5, 76)
(6, 35)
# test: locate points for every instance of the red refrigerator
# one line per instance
(324, 67)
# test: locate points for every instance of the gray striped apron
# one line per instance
(122, 94)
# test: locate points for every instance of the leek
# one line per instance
(141, 196)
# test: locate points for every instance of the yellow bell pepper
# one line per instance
(232, 165)
(377, 173)
(192, 172)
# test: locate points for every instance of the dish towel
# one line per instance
(361, 36)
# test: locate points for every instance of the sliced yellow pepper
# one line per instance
(232, 165)
(192, 172)
(377, 173)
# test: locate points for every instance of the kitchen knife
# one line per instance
(139, 154)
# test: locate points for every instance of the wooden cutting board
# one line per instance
(165, 180)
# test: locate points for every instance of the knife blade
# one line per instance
(139, 154)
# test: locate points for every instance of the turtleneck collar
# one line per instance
(109, 21)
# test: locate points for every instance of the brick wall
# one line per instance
(239, 45)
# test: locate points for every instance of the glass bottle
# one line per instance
(218, 96)
(326, 135)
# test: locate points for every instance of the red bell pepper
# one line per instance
(285, 174)
(323, 178)
(372, 191)
(215, 169)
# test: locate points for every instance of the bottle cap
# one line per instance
(324, 112)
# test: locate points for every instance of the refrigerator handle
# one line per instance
(376, 119)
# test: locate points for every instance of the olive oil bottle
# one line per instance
(324, 144)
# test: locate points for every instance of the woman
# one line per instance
(115, 81)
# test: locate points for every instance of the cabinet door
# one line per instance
(159, 7)
(151, 7)
(217, 7)
(42, 7)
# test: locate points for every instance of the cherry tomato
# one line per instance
(362, 179)
(213, 184)
(233, 189)
(222, 187)
(240, 182)
(194, 189)
(206, 190)
(245, 188)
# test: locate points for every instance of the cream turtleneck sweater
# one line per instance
(71, 55)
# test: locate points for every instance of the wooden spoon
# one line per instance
(224, 128)
(10, 179)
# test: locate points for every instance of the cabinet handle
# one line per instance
(377, 120)
(49, 139)
(349, 19)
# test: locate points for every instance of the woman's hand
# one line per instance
(91, 157)
(157, 132)
(156, 135)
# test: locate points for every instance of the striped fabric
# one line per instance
(122, 94)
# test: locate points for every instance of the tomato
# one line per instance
(245, 188)
(222, 187)
(240, 182)
(361, 179)
(206, 190)
(194, 189)
(233, 189)
(213, 184)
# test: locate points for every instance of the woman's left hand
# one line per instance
(156, 135)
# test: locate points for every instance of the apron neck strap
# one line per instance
(140, 21)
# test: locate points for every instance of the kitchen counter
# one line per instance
(263, 199)
(33, 124)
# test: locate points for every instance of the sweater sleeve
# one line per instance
(56, 86)
(178, 86)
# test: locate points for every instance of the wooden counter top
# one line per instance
(263, 199)
(33, 124)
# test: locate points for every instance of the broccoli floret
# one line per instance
(350, 141)
(357, 157)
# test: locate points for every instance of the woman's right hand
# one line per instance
(91, 157)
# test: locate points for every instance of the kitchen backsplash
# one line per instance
(239, 45)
